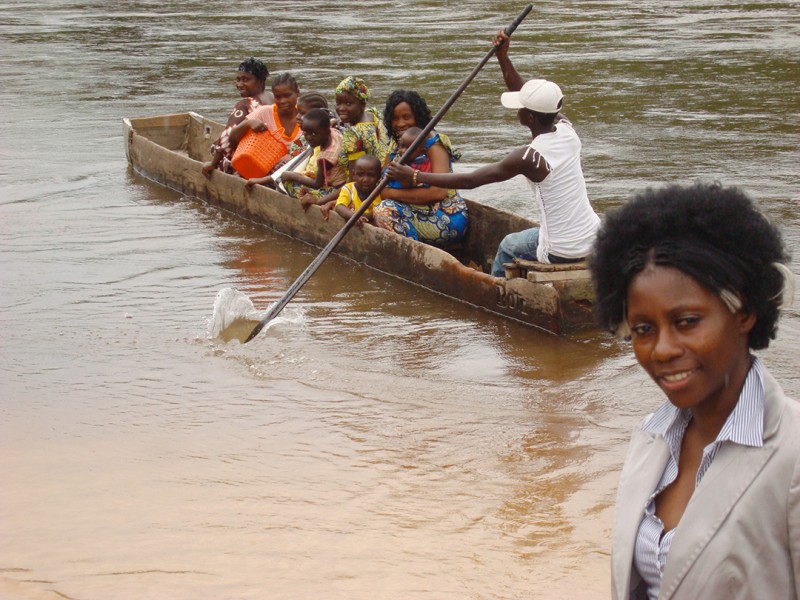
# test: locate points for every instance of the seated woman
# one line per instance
(324, 174)
(364, 132)
(429, 214)
(280, 117)
(708, 504)
(251, 83)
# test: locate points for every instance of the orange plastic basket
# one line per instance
(257, 154)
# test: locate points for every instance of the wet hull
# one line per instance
(169, 150)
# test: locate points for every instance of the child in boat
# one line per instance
(364, 133)
(366, 173)
(419, 160)
(324, 173)
(305, 102)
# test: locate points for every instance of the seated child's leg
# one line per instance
(294, 189)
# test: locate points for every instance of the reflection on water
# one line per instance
(379, 440)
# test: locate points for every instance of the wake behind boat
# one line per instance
(170, 149)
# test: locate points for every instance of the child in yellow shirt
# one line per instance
(366, 173)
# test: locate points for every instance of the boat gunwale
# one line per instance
(509, 298)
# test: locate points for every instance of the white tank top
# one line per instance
(568, 222)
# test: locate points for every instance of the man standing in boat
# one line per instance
(552, 165)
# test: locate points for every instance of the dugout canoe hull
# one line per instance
(169, 150)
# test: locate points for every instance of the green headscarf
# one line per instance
(354, 86)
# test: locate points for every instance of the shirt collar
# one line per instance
(744, 426)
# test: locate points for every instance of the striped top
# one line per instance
(744, 426)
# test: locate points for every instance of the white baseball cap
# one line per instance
(538, 95)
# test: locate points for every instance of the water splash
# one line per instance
(235, 316)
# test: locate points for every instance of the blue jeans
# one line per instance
(522, 244)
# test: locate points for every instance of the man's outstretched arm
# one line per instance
(522, 161)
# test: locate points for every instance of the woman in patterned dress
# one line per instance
(363, 133)
(428, 214)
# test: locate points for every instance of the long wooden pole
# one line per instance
(326, 251)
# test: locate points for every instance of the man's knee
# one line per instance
(506, 244)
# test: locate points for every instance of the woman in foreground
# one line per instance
(709, 498)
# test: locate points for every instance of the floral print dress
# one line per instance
(441, 223)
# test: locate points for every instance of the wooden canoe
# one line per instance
(169, 149)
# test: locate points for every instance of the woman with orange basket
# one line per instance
(251, 81)
(280, 118)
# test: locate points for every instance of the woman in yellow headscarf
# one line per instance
(364, 130)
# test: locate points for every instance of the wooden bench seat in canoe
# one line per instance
(538, 272)
(170, 149)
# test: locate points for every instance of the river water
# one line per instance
(379, 441)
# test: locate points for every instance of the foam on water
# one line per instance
(235, 316)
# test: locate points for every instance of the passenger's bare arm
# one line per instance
(522, 161)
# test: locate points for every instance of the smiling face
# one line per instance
(366, 174)
(248, 84)
(285, 98)
(688, 340)
(350, 108)
(403, 118)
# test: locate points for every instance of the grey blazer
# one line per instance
(740, 535)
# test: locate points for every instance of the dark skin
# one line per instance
(349, 108)
(302, 109)
(514, 80)
(403, 119)
(366, 174)
(405, 143)
(286, 100)
(696, 350)
(325, 203)
(267, 181)
(249, 86)
(317, 135)
(534, 167)
(351, 111)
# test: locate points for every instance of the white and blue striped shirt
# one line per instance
(744, 426)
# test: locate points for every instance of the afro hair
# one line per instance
(712, 233)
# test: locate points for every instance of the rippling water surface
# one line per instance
(380, 441)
